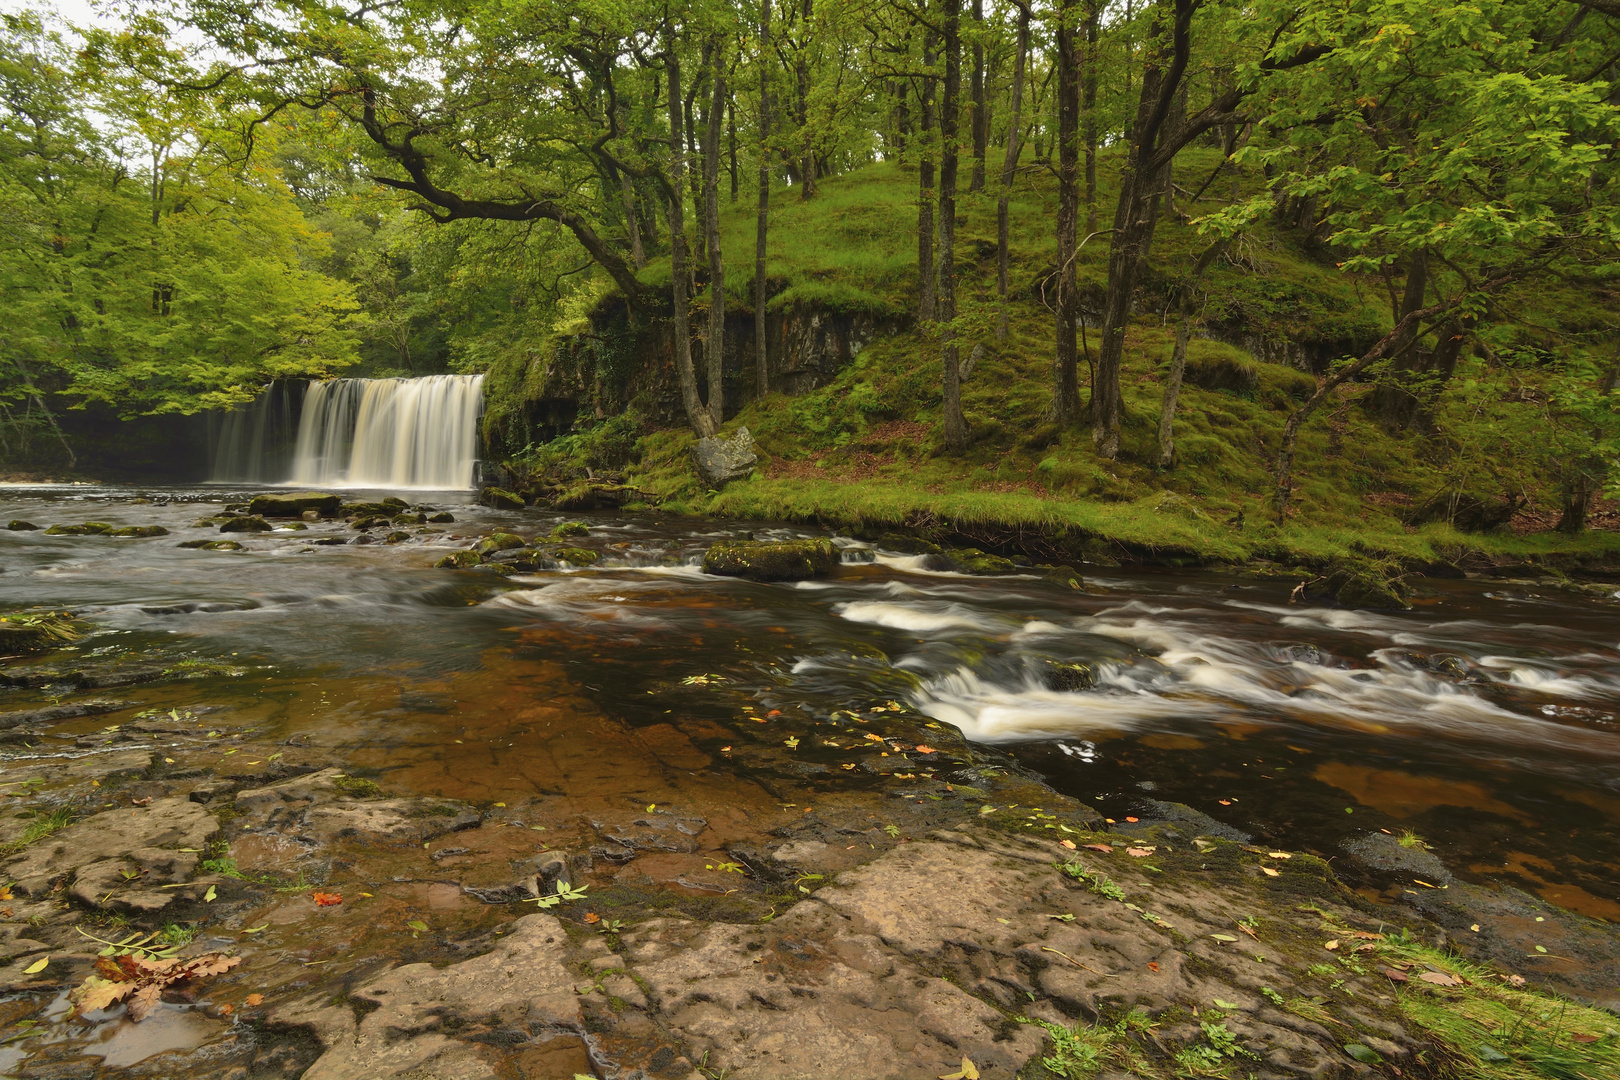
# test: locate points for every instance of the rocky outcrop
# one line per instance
(501, 499)
(787, 560)
(1356, 583)
(121, 859)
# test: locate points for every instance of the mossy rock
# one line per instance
(140, 530)
(375, 521)
(496, 569)
(19, 525)
(1063, 575)
(1222, 371)
(221, 545)
(1281, 386)
(399, 536)
(974, 561)
(908, 545)
(787, 560)
(35, 633)
(499, 541)
(1359, 583)
(1068, 678)
(294, 503)
(501, 499)
(294, 526)
(370, 509)
(245, 524)
(459, 560)
(575, 556)
(410, 519)
(570, 528)
(442, 518)
(89, 528)
(526, 560)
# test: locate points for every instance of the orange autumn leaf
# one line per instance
(1152, 966)
(1067, 843)
(592, 917)
(254, 999)
(921, 749)
(1132, 819)
(327, 899)
(226, 1009)
(1104, 848)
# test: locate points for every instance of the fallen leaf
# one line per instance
(1475, 928)
(256, 929)
(141, 802)
(5, 892)
(1515, 980)
(592, 917)
(1440, 978)
(1227, 1004)
(37, 966)
(651, 807)
(1152, 966)
(1582, 1037)
(418, 925)
(1330, 946)
(846, 767)
(254, 999)
(1280, 854)
(1223, 937)
(1138, 852)
(1224, 802)
(724, 748)
(1395, 976)
(1269, 872)
(1067, 843)
(1132, 819)
(208, 897)
(967, 1072)
(1104, 848)
(226, 1009)
(921, 749)
(327, 899)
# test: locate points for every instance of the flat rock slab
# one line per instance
(159, 844)
(91, 766)
(422, 1021)
(314, 808)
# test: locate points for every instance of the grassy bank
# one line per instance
(865, 449)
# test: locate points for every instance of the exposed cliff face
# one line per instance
(617, 361)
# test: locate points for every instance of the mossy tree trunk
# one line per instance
(714, 343)
(802, 72)
(981, 116)
(925, 189)
(1065, 375)
(681, 327)
(1088, 112)
(955, 427)
(762, 222)
(1009, 164)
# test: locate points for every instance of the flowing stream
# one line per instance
(1487, 720)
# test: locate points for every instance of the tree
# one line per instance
(955, 426)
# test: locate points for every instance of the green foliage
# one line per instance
(1095, 880)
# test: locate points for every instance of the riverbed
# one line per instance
(1482, 726)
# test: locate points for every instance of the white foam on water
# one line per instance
(930, 619)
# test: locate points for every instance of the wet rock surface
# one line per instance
(720, 460)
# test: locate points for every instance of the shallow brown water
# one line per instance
(1301, 726)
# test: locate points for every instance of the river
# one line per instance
(1484, 720)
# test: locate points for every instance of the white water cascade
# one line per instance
(388, 433)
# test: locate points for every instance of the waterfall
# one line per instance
(391, 433)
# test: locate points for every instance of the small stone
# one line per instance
(19, 525)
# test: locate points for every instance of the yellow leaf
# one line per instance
(651, 807)
(1330, 946)
(967, 1072)
(37, 966)
(500, 804)
(208, 897)
(1269, 872)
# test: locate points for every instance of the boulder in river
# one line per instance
(294, 503)
(498, 541)
(720, 461)
(442, 518)
(459, 560)
(971, 561)
(89, 528)
(245, 524)
(501, 499)
(785, 560)
(570, 528)
(1356, 583)
(19, 525)
(140, 530)
(575, 556)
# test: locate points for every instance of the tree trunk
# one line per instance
(925, 193)
(638, 254)
(802, 71)
(763, 221)
(1009, 164)
(1392, 402)
(1088, 121)
(1135, 218)
(1178, 357)
(981, 118)
(714, 344)
(950, 108)
(696, 414)
(731, 134)
(1065, 375)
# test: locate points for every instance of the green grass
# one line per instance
(45, 823)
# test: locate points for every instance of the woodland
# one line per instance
(1348, 259)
